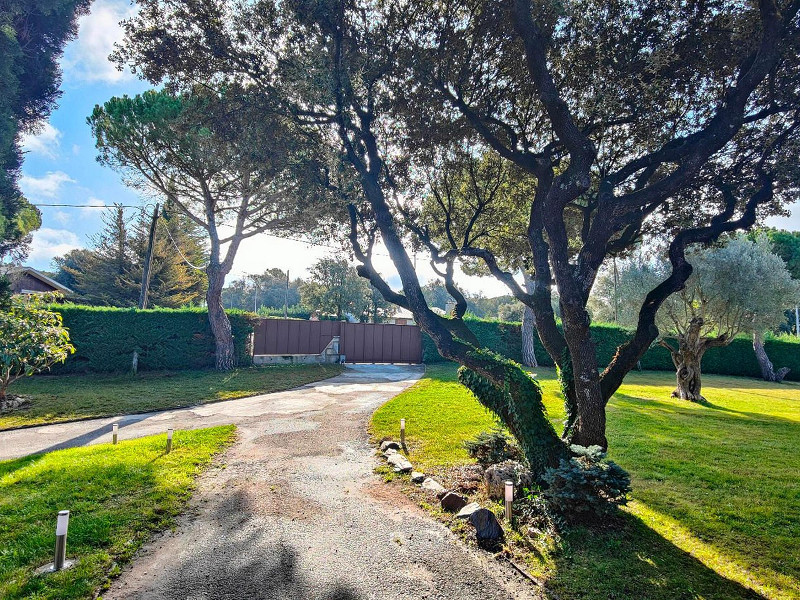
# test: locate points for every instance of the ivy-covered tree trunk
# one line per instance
(218, 320)
(528, 328)
(767, 369)
(516, 398)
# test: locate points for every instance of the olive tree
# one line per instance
(738, 287)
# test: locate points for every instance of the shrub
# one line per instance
(587, 486)
(166, 339)
(492, 447)
(32, 339)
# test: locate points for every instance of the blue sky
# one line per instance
(60, 165)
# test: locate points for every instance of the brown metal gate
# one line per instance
(359, 342)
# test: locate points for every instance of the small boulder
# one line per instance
(452, 502)
(417, 477)
(400, 463)
(434, 486)
(466, 512)
(389, 445)
(496, 476)
(389, 452)
(487, 528)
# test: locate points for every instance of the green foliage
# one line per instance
(110, 273)
(166, 339)
(518, 404)
(118, 496)
(492, 447)
(32, 38)
(587, 486)
(735, 359)
(32, 339)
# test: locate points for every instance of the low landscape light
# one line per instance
(114, 432)
(62, 524)
(509, 498)
(169, 440)
(402, 432)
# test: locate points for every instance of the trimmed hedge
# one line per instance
(166, 339)
(737, 358)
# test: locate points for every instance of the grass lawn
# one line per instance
(716, 501)
(117, 495)
(67, 397)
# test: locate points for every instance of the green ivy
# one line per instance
(518, 404)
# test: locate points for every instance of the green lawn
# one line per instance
(716, 501)
(117, 495)
(67, 397)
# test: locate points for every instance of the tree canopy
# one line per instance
(32, 38)
(633, 119)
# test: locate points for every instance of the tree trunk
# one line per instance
(687, 363)
(528, 328)
(218, 319)
(588, 427)
(687, 358)
(767, 370)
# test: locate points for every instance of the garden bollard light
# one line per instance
(402, 432)
(114, 431)
(169, 440)
(509, 499)
(61, 540)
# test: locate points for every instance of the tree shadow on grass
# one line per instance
(634, 562)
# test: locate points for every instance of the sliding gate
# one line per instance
(359, 342)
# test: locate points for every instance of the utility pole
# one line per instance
(286, 297)
(148, 263)
(797, 320)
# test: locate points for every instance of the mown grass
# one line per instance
(118, 496)
(715, 511)
(66, 397)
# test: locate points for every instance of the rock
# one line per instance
(417, 477)
(466, 512)
(400, 463)
(389, 452)
(431, 484)
(487, 529)
(497, 475)
(452, 502)
(389, 445)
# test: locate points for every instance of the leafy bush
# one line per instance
(492, 447)
(32, 339)
(166, 339)
(737, 358)
(587, 486)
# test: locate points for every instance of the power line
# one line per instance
(95, 205)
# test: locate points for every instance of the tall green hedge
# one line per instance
(168, 339)
(737, 358)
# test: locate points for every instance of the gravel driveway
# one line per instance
(295, 511)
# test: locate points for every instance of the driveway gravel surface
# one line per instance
(293, 510)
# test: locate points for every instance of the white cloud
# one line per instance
(61, 217)
(47, 186)
(45, 142)
(86, 59)
(48, 243)
(92, 202)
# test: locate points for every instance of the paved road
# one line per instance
(295, 511)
